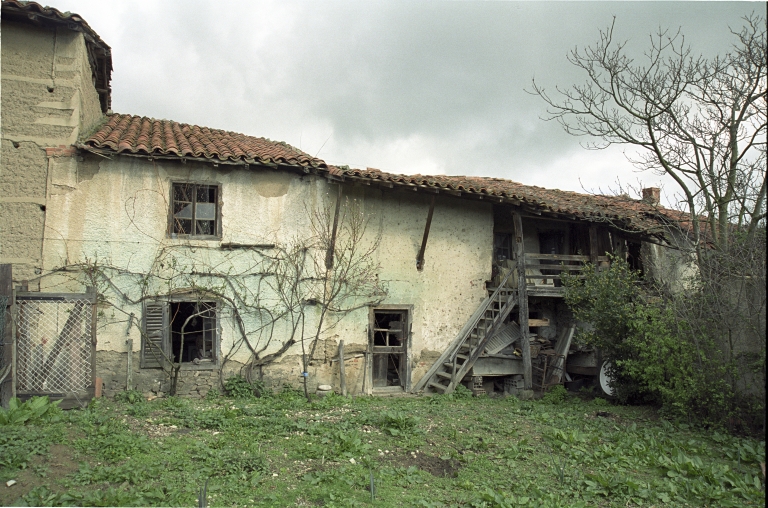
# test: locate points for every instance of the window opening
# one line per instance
(194, 209)
(502, 246)
(390, 333)
(193, 331)
(634, 258)
(551, 242)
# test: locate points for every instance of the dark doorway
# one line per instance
(196, 341)
(389, 347)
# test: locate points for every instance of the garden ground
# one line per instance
(435, 451)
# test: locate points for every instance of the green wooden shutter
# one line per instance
(155, 339)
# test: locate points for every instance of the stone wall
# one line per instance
(48, 101)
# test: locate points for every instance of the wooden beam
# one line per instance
(537, 322)
(523, 302)
(420, 257)
(332, 246)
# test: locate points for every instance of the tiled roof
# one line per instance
(128, 134)
(135, 135)
(100, 54)
(620, 211)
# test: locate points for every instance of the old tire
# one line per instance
(604, 379)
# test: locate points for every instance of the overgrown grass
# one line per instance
(440, 451)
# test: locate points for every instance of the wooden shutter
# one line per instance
(154, 344)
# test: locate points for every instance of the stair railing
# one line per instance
(452, 350)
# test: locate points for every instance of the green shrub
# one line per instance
(129, 396)
(657, 358)
(238, 387)
(32, 411)
(556, 395)
(397, 423)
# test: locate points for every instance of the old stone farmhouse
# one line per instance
(161, 256)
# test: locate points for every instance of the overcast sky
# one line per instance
(433, 87)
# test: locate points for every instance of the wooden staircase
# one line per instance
(469, 344)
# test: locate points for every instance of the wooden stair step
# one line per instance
(437, 386)
(442, 374)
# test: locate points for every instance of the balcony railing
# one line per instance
(543, 272)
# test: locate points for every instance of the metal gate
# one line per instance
(55, 342)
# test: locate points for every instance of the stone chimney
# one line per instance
(651, 195)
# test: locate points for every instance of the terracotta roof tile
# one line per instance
(620, 211)
(144, 136)
(149, 137)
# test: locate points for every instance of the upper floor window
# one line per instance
(194, 210)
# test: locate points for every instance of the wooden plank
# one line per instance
(559, 268)
(342, 372)
(391, 350)
(420, 257)
(561, 350)
(557, 257)
(523, 301)
(496, 366)
(537, 322)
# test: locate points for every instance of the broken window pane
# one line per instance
(194, 209)
(193, 331)
(205, 211)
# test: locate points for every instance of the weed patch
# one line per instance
(442, 451)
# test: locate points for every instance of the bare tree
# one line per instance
(329, 273)
(701, 121)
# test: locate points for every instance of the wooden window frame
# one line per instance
(161, 309)
(217, 226)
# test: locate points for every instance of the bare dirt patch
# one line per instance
(42, 470)
(436, 466)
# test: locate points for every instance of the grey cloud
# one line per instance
(362, 74)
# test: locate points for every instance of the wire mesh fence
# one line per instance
(53, 349)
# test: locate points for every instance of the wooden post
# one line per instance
(6, 334)
(129, 363)
(593, 245)
(522, 294)
(14, 340)
(342, 372)
(91, 291)
(420, 257)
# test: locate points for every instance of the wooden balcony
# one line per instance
(543, 272)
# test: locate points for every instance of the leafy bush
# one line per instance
(18, 444)
(556, 395)
(238, 387)
(656, 357)
(129, 396)
(397, 423)
(35, 410)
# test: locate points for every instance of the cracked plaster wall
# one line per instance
(116, 211)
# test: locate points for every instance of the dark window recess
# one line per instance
(634, 258)
(502, 246)
(389, 348)
(194, 209)
(551, 242)
(193, 331)
(179, 332)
